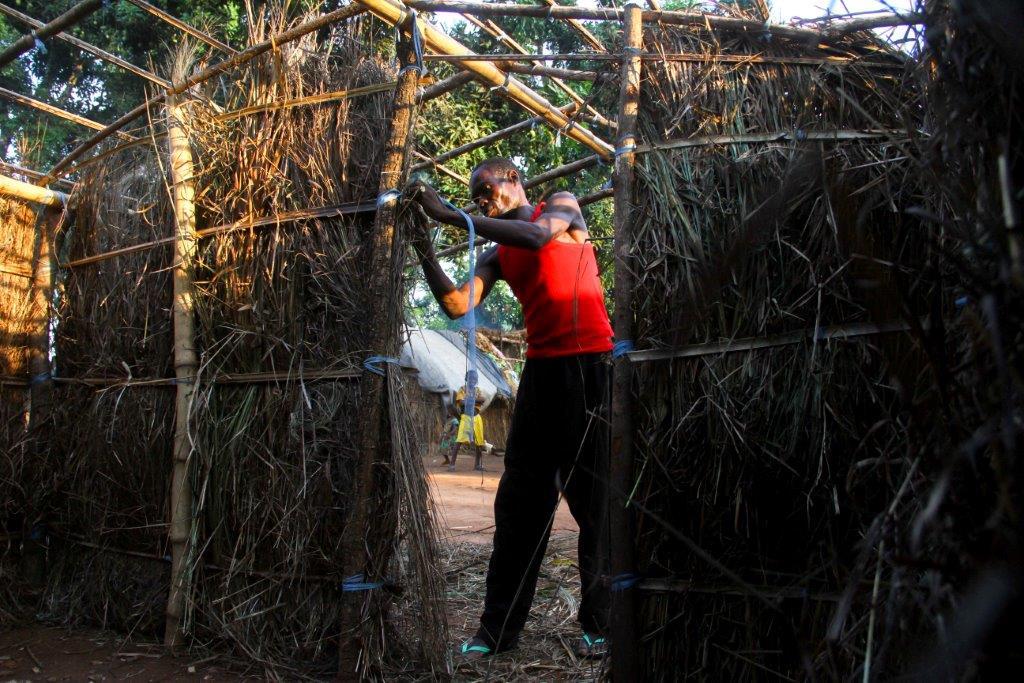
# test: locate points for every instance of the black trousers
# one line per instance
(558, 440)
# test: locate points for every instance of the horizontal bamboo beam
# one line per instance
(288, 217)
(445, 86)
(322, 98)
(217, 378)
(427, 162)
(497, 32)
(697, 57)
(182, 26)
(838, 332)
(491, 138)
(11, 269)
(552, 72)
(33, 103)
(779, 136)
(9, 187)
(66, 20)
(87, 47)
(438, 41)
(698, 19)
(15, 169)
(584, 32)
(206, 74)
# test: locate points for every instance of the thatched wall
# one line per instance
(272, 456)
(761, 472)
(17, 323)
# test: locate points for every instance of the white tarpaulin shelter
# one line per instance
(440, 359)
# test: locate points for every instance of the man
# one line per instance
(557, 438)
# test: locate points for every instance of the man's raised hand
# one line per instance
(431, 202)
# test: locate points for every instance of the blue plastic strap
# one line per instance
(388, 196)
(623, 582)
(373, 364)
(417, 44)
(357, 582)
(38, 43)
(622, 347)
(469, 321)
(40, 378)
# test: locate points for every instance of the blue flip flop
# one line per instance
(592, 646)
(476, 646)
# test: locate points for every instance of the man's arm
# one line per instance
(454, 300)
(561, 212)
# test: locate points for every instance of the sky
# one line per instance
(784, 10)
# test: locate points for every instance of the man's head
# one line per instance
(496, 185)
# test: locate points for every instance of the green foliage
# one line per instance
(74, 80)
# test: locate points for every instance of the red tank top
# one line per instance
(561, 295)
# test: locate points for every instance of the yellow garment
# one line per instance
(474, 435)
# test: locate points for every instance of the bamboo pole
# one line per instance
(40, 386)
(19, 189)
(206, 74)
(28, 41)
(32, 174)
(696, 57)
(88, 47)
(496, 31)
(623, 608)
(33, 103)
(185, 365)
(711, 21)
(182, 26)
(382, 338)
(438, 41)
(584, 32)
(490, 138)
(444, 87)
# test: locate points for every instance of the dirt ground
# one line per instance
(466, 500)
(466, 509)
(46, 653)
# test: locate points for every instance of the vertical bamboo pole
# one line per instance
(40, 391)
(185, 363)
(382, 338)
(623, 609)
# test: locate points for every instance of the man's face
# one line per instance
(494, 192)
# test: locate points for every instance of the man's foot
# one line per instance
(475, 648)
(479, 468)
(592, 646)
(451, 467)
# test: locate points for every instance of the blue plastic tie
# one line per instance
(373, 364)
(800, 135)
(40, 378)
(357, 582)
(386, 196)
(622, 347)
(469, 321)
(962, 301)
(624, 582)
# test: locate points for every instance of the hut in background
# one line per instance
(439, 358)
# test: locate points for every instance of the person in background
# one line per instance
(469, 432)
(448, 434)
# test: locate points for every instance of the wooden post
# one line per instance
(384, 283)
(623, 608)
(40, 385)
(185, 363)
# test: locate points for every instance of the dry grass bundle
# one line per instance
(762, 472)
(272, 458)
(17, 243)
